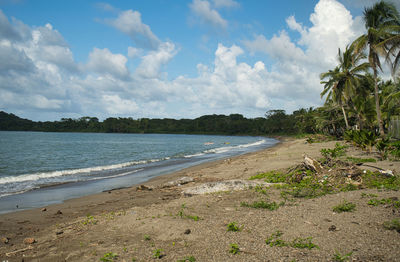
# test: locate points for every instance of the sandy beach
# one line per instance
(156, 221)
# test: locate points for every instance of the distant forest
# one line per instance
(274, 122)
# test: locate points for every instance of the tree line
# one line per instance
(275, 122)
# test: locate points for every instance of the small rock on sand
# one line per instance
(29, 240)
(5, 240)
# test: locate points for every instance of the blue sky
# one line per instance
(159, 58)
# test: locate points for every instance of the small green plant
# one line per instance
(188, 259)
(393, 224)
(363, 195)
(338, 151)
(234, 249)
(147, 237)
(182, 214)
(384, 201)
(303, 243)
(383, 147)
(233, 227)
(109, 257)
(275, 240)
(344, 207)
(157, 253)
(89, 220)
(260, 189)
(340, 258)
(261, 204)
(395, 149)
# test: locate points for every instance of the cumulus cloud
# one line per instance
(208, 15)
(102, 61)
(154, 60)
(297, 65)
(130, 23)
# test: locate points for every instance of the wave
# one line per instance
(220, 150)
(88, 170)
(60, 173)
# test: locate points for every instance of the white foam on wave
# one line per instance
(52, 174)
(220, 150)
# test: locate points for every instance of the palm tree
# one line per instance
(380, 20)
(341, 81)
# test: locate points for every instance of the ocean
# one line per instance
(38, 169)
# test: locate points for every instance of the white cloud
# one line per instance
(297, 65)
(154, 60)
(225, 3)
(130, 23)
(116, 105)
(203, 10)
(133, 52)
(102, 61)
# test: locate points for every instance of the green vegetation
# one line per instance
(109, 257)
(233, 227)
(384, 201)
(89, 220)
(147, 237)
(157, 253)
(344, 207)
(275, 240)
(188, 259)
(338, 151)
(182, 214)
(357, 160)
(340, 258)
(394, 224)
(261, 204)
(234, 249)
(377, 180)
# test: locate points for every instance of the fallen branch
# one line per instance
(19, 250)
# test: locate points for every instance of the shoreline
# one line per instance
(153, 181)
(57, 193)
(120, 220)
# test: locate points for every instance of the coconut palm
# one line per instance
(341, 82)
(380, 21)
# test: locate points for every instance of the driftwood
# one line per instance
(312, 164)
(19, 250)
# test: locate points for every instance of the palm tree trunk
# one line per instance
(378, 108)
(345, 118)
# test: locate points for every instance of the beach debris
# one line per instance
(221, 186)
(29, 240)
(179, 182)
(5, 240)
(59, 232)
(332, 228)
(312, 164)
(143, 188)
(58, 212)
(187, 231)
(44, 209)
(9, 254)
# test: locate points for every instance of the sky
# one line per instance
(169, 58)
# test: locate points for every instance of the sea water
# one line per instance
(39, 168)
